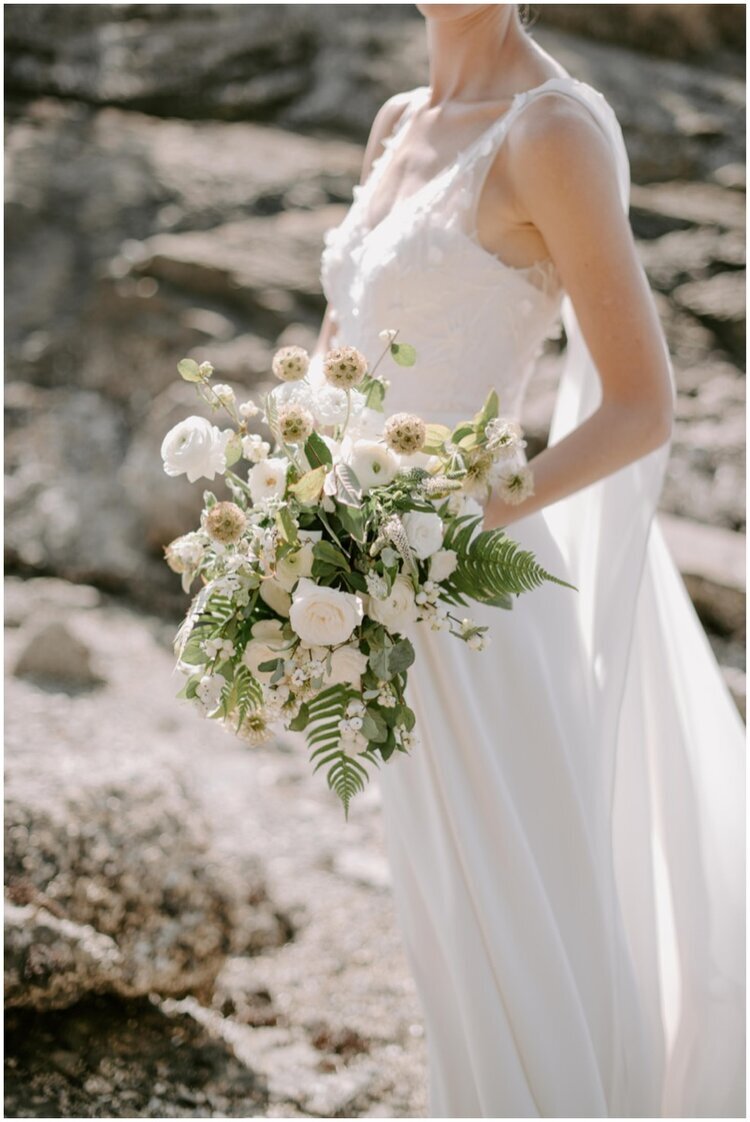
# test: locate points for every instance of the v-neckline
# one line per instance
(389, 142)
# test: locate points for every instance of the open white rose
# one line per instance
(373, 463)
(295, 565)
(195, 448)
(442, 564)
(269, 630)
(277, 597)
(348, 664)
(257, 652)
(424, 531)
(398, 609)
(323, 616)
(268, 478)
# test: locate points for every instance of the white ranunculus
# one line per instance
(398, 609)
(295, 565)
(373, 463)
(424, 531)
(348, 664)
(268, 478)
(329, 404)
(442, 564)
(366, 423)
(416, 459)
(277, 597)
(323, 616)
(195, 448)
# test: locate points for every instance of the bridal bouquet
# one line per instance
(339, 535)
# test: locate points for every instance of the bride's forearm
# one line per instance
(610, 438)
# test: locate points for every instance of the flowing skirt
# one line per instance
(554, 872)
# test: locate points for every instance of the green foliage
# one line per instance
(348, 489)
(308, 487)
(286, 525)
(206, 621)
(403, 353)
(346, 775)
(188, 369)
(317, 452)
(491, 567)
(329, 556)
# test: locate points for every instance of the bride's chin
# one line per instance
(445, 12)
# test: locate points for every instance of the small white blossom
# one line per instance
(254, 448)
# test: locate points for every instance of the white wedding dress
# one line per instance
(567, 841)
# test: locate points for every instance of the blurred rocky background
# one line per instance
(191, 930)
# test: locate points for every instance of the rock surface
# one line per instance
(313, 1011)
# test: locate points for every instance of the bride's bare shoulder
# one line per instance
(555, 131)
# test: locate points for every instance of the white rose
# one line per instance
(442, 564)
(195, 448)
(424, 531)
(269, 630)
(373, 463)
(268, 478)
(295, 565)
(277, 597)
(348, 664)
(398, 609)
(257, 652)
(323, 616)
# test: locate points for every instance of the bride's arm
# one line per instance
(562, 169)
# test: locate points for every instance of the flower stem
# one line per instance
(383, 354)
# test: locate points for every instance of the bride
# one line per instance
(567, 840)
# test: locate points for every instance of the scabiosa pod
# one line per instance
(295, 423)
(405, 433)
(290, 364)
(344, 367)
(225, 522)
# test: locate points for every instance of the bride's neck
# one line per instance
(474, 56)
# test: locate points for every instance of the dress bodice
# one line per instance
(476, 322)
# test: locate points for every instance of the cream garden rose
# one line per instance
(424, 531)
(195, 448)
(324, 616)
(398, 609)
(348, 664)
(443, 564)
(275, 595)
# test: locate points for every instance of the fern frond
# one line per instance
(346, 775)
(492, 568)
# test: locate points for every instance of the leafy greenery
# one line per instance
(490, 567)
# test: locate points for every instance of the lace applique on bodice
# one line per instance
(475, 321)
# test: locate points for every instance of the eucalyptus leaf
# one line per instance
(403, 353)
(189, 370)
(308, 487)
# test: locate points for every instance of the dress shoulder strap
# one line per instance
(475, 162)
